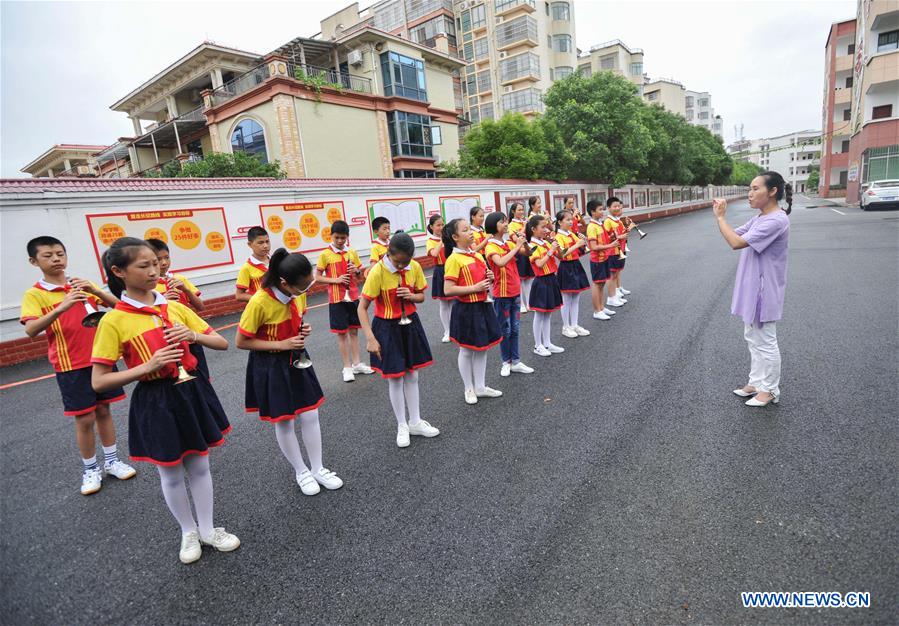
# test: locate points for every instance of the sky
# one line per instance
(64, 63)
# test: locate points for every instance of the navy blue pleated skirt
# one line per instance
(200, 354)
(474, 325)
(167, 422)
(437, 284)
(277, 390)
(572, 277)
(545, 294)
(403, 348)
(525, 271)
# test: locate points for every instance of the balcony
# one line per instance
(505, 7)
(523, 101)
(842, 95)
(844, 63)
(520, 31)
(520, 67)
(243, 83)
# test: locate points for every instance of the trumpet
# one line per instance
(302, 361)
(92, 316)
(346, 293)
(613, 237)
(404, 320)
(183, 375)
(627, 223)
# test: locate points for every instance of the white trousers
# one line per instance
(764, 372)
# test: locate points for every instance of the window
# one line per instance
(426, 32)
(471, 84)
(561, 11)
(880, 163)
(882, 111)
(480, 48)
(563, 72)
(844, 146)
(478, 16)
(249, 137)
(847, 115)
(484, 81)
(689, 101)
(468, 51)
(410, 134)
(519, 66)
(436, 136)
(487, 111)
(652, 96)
(608, 62)
(703, 102)
(562, 43)
(636, 69)
(403, 76)
(585, 70)
(414, 174)
(521, 28)
(849, 81)
(466, 21)
(888, 41)
(689, 115)
(524, 100)
(851, 49)
(703, 115)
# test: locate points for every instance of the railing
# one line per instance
(243, 83)
(523, 101)
(192, 116)
(522, 28)
(328, 77)
(502, 6)
(615, 42)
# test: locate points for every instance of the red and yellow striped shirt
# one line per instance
(566, 241)
(382, 282)
(162, 287)
(478, 235)
(466, 269)
(249, 278)
(595, 232)
(506, 282)
(68, 342)
(517, 226)
(133, 331)
(436, 242)
(542, 250)
(378, 251)
(611, 225)
(333, 263)
(271, 315)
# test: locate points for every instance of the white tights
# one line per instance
(473, 368)
(174, 490)
(445, 307)
(526, 292)
(570, 304)
(404, 391)
(541, 329)
(312, 439)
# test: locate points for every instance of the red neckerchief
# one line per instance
(257, 265)
(161, 311)
(295, 317)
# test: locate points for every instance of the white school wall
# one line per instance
(56, 207)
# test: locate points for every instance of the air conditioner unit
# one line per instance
(502, 55)
(354, 57)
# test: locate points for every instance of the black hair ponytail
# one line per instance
(560, 215)
(533, 223)
(512, 208)
(121, 254)
(292, 267)
(532, 202)
(448, 231)
(433, 220)
(773, 180)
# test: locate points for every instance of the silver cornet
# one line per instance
(92, 316)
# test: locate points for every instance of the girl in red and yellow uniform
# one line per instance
(396, 339)
(545, 294)
(473, 325)
(572, 277)
(171, 425)
(178, 287)
(478, 236)
(434, 248)
(272, 329)
(517, 222)
(501, 255)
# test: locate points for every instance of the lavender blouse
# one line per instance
(762, 272)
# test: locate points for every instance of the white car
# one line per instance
(881, 194)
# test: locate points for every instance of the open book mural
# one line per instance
(452, 207)
(406, 214)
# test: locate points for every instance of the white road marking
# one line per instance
(840, 212)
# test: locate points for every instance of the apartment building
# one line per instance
(791, 154)
(64, 160)
(668, 93)
(860, 114)
(699, 111)
(615, 56)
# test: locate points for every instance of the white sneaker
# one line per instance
(555, 349)
(362, 368)
(120, 470)
(402, 436)
(221, 540)
(521, 368)
(348, 375)
(445, 338)
(505, 370)
(307, 483)
(569, 332)
(624, 292)
(614, 302)
(600, 315)
(524, 309)
(541, 351)
(327, 479)
(91, 481)
(487, 392)
(191, 550)
(608, 311)
(621, 300)
(581, 331)
(470, 396)
(422, 428)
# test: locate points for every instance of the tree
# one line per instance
(814, 178)
(666, 159)
(744, 172)
(601, 118)
(231, 165)
(514, 147)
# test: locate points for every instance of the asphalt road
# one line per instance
(621, 483)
